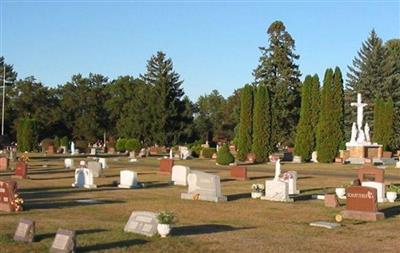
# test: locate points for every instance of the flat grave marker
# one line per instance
(64, 242)
(142, 222)
(25, 231)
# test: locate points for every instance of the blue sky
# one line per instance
(214, 45)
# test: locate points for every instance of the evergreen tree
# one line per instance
(305, 138)
(315, 105)
(261, 124)
(338, 107)
(383, 123)
(166, 104)
(245, 125)
(367, 76)
(27, 135)
(279, 72)
(328, 128)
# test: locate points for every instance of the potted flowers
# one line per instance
(165, 220)
(257, 191)
(391, 193)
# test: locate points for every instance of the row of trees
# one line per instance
(275, 109)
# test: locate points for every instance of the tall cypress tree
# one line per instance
(166, 103)
(304, 144)
(279, 72)
(327, 127)
(383, 123)
(338, 106)
(315, 105)
(261, 124)
(246, 119)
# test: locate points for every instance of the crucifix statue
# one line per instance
(360, 111)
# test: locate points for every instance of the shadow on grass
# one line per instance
(53, 204)
(391, 211)
(204, 229)
(111, 245)
(238, 196)
(323, 190)
(260, 177)
(227, 180)
(41, 237)
(63, 191)
(50, 178)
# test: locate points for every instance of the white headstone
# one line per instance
(276, 191)
(68, 163)
(79, 178)
(128, 179)
(72, 148)
(170, 154)
(203, 186)
(89, 183)
(93, 151)
(314, 157)
(380, 189)
(95, 167)
(296, 159)
(179, 174)
(290, 177)
(398, 165)
(277, 169)
(103, 162)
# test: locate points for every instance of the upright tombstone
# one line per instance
(166, 166)
(96, 168)
(128, 179)
(103, 162)
(373, 177)
(204, 186)
(8, 190)
(21, 170)
(277, 189)
(290, 178)
(79, 178)
(51, 150)
(64, 242)
(179, 175)
(25, 231)
(141, 222)
(361, 204)
(93, 151)
(89, 182)
(4, 163)
(239, 172)
(68, 163)
(331, 200)
(72, 148)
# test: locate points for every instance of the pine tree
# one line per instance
(261, 124)
(383, 123)
(304, 144)
(367, 76)
(327, 143)
(245, 125)
(279, 72)
(166, 100)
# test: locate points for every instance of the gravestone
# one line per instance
(331, 200)
(64, 242)
(290, 178)
(361, 204)
(203, 186)
(8, 189)
(314, 157)
(128, 179)
(142, 222)
(68, 163)
(278, 188)
(83, 179)
(4, 163)
(103, 162)
(398, 165)
(25, 231)
(21, 170)
(239, 172)
(296, 159)
(93, 151)
(179, 175)
(96, 168)
(276, 191)
(51, 150)
(166, 166)
(373, 177)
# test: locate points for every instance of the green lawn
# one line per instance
(240, 225)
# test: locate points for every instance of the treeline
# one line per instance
(275, 110)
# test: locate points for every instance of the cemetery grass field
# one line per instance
(240, 225)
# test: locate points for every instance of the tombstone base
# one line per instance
(90, 186)
(277, 200)
(204, 197)
(164, 173)
(18, 177)
(6, 208)
(128, 186)
(364, 216)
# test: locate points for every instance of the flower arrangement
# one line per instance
(286, 176)
(24, 158)
(260, 188)
(19, 202)
(166, 217)
(393, 188)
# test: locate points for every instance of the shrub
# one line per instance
(64, 141)
(82, 145)
(133, 145)
(224, 156)
(56, 142)
(46, 143)
(121, 144)
(208, 152)
(166, 217)
(27, 135)
(196, 149)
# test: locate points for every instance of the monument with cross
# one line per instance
(360, 148)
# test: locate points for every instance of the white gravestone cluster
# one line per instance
(180, 174)
(279, 188)
(128, 179)
(96, 168)
(203, 186)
